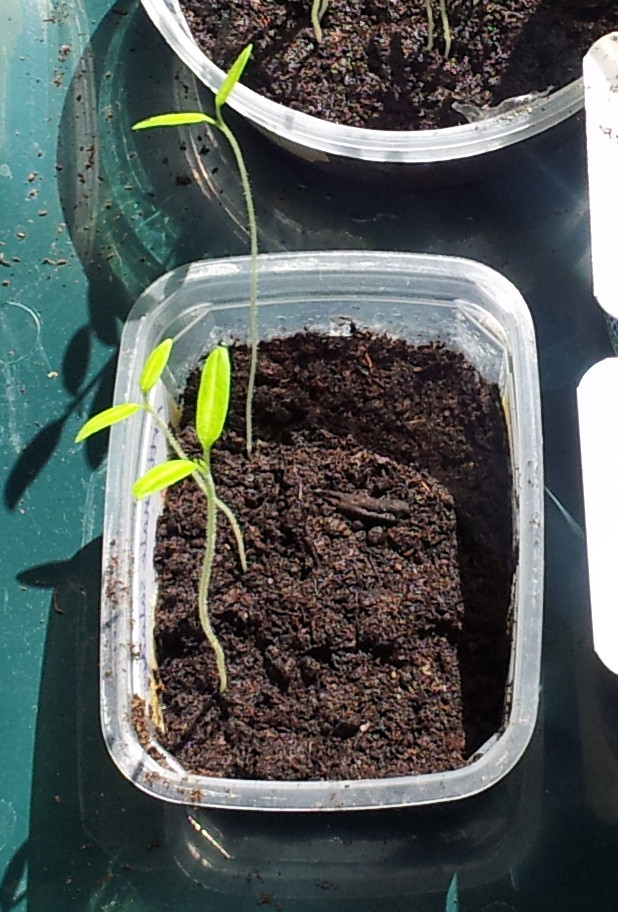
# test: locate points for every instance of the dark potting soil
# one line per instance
(373, 67)
(370, 635)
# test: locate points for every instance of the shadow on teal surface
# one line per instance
(95, 842)
(40, 449)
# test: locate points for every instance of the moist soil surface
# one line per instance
(373, 68)
(369, 636)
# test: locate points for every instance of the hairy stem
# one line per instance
(430, 25)
(318, 8)
(211, 534)
(253, 290)
(240, 545)
(446, 28)
(221, 505)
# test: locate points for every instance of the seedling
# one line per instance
(193, 117)
(318, 8)
(211, 409)
(446, 27)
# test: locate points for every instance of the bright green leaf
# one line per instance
(213, 397)
(176, 119)
(233, 75)
(162, 476)
(106, 418)
(155, 365)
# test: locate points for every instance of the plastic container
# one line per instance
(418, 297)
(317, 140)
(358, 856)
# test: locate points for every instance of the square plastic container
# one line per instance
(466, 305)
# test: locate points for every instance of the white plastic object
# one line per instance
(601, 104)
(597, 395)
(318, 140)
(419, 297)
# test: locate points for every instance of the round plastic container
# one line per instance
(317, 140)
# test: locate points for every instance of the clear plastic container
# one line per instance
(317, 140)
(395, 854)
(419, 297)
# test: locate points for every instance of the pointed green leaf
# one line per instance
(155, 365)
(233, 75)
(106, 418)
(162, 476)
(175, 119)
(213, 397)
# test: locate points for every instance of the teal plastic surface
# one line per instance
(90, 214)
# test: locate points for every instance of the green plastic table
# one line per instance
(89, 216)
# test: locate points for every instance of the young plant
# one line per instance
(178, 119)
(446, 26)
(318, 8)
(211, 410)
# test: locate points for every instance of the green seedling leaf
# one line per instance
(233, 76)
(155, 365)
(162, 476)
(213, 397)
(175, 119)
(106, 418)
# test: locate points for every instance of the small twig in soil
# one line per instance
(373, 509)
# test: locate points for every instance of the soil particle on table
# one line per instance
(369, 636)
(373, 67)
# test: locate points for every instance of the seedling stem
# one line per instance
(211, 410)
(193, 117)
